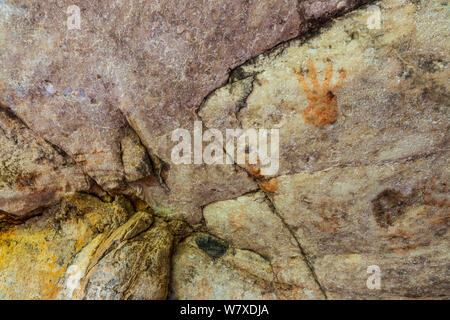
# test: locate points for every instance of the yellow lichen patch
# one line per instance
(34, 256)
(27, 262)
(97, 213)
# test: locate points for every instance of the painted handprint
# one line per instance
(322, 108)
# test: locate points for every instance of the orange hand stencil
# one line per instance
(322, 108)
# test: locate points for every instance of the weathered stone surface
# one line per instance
(371, 188)
(194, 186)
(84, 248)
(136, 162)
(365, 203)
(33, 174)
(151, 63)
(364, 145)
(392, 215)
(419, 274)
(221, 108)
(391, 106)
(249, 223)
(205, 268)
(35, 255)
(132, 263)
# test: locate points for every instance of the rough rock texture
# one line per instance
(392, 104)
(151, 63)
(250, 223)
(84, 248)
(131, 263)
(33, 173)
(34, 256)
(205, 268)
(370, 189)
(135, 160)
(398, 221)
(364, 148)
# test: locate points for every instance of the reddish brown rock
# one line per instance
(33, 173)
(362, 186)
(149, 62)
(205, 268)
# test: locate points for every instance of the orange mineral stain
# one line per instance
(269, 186)
(322, 106)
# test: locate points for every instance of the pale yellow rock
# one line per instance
(393, 215)
(392, 104)
(228, 274)
(248, 222)
(35, 256)
(83, 249)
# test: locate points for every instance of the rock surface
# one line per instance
(131, 263)
(33, 173)
(35, 256)
(84, 248)
(147, 65)
(250, 223)
(204, 268)
(398, 221)
(364, 148)
(371, 188)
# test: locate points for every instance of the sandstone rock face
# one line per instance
(249, 223)
(370, 189)
(205, 268)
(33, 173)
(151, 63)
(391, 105)
(130, 264)
(87, 249)
(36, 255)
(399, 221)
(363, 174)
